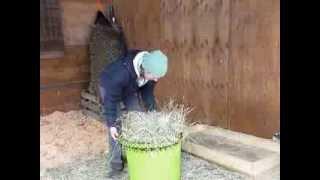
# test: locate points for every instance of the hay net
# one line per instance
(156, 129)
(106, 44)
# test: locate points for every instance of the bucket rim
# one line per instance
(146, 147)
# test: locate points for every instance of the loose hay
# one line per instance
(66, 136)
(154, 129)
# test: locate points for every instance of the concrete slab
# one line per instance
(237, 151)
(238, 136)
(272, 174)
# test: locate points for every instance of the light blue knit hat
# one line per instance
(156, 63)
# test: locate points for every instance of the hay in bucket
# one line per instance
(156, 129)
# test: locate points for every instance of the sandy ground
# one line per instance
(65, 137)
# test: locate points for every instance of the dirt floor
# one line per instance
(65, 137)
(73, 146)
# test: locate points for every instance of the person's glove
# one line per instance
(114, 133)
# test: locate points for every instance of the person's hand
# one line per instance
(114, 133)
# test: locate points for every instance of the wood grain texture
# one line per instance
(195, 37)
(140, 21)
(73, 66)
(254, 67)
(78, 16)
(61, 99)
(223, 57)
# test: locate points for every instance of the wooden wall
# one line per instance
(141, 22)
(63, 78)
(223, 57)
(254, 67)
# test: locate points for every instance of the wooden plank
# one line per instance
(244, 153)
(254, 67)
(86, 95)
(73, 66)
(230, 161)
(51, 54)
(59, 85)
(60, 99)
(90, 106)
(237, 136)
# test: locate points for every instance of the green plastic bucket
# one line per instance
(154, 164)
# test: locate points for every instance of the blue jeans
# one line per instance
(131, 103)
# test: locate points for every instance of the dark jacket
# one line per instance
(119, 80)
